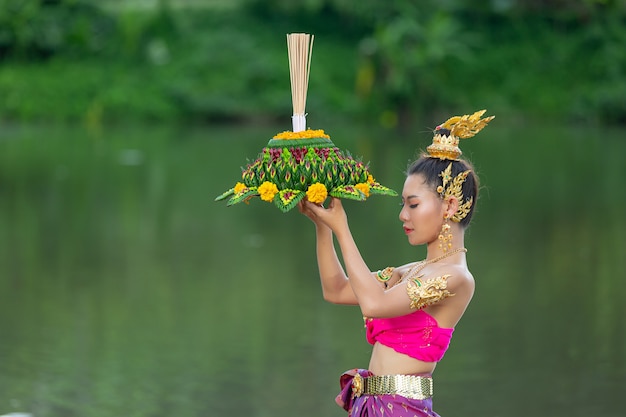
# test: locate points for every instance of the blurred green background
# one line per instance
(212, 60)
(126, 290)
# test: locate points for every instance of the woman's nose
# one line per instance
(402, 215)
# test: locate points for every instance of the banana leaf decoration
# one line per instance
(307, 166)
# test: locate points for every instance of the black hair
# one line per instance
(431, 168)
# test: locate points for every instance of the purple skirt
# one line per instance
(387, 405)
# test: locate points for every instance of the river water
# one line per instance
(125, 290)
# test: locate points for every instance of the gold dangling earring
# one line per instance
(445, 237)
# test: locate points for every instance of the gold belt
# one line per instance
(409, 386)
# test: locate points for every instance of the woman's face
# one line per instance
(422, 211)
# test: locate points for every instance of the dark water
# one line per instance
(126, 291)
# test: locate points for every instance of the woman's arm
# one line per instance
(374, 299)
(335, 285)
(447, 287)
(364, 289)
(336, 288)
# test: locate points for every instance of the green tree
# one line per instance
(39, 29)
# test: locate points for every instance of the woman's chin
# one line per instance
(414, 242)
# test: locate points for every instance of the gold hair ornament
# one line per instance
(460, 127)
(453, 187)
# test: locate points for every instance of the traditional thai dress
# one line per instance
(417, 335)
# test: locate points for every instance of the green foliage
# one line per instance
(387, 61)
(557, 58)
(36, 29)
(412, 55)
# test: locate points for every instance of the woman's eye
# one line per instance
(413, 205)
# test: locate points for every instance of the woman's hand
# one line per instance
(333, 217)
(304, 207)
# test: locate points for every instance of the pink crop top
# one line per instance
(417, 335)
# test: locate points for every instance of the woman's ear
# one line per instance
(451, 206)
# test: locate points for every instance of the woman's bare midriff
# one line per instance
(386, 361)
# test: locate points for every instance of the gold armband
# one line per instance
(384, 275)
(423, 294)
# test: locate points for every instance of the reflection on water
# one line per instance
(125, 290)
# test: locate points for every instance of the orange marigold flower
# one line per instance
(267, 191)
(364, 188)
(239, 187)
(317, 193)
(305, 134)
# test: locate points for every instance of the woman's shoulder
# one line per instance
(457, 276)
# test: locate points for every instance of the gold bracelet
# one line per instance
(384, 275)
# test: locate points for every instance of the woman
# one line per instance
(410, 311)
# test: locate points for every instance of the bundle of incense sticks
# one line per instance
(300, 50)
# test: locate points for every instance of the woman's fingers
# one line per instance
(335, 202)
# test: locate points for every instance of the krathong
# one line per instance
(303, 163)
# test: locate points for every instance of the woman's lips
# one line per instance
(407, 230)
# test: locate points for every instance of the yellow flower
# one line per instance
(364, 188)
(267, 191)
(305, 134)
(370, 179)
(239, 187)
(317, 193)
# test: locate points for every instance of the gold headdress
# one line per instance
(447, 147)
(460, 127)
